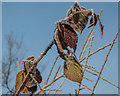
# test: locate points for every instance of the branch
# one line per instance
(104, 63)
(34, 65)
(52, 68)
(86, 43)
(50, 83)
(86, 59)
(60, 86)
(80, 56)
(102, 78)
(97, 51)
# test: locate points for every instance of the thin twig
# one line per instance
(86, 87)
(60, 69)
(50, 83)
(60, 86)
(54, 77)
(87, 79)
(45, 80)
(97, 51)
(88, 52)
(102, 78)
(52, 68)
(87, 44)
(87, 56)
(93, 70)
(51, 90)
(104, 63)
(18, 66)
(88, 66)
(34, 65)
(57, 71)
(38, 84)
(80, 56)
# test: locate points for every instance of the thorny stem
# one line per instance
(34, 65)
(104, 63)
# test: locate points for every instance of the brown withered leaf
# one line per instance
(77, 19)
(69, 36)
(59, 42)
(28, 87)
(65, 36)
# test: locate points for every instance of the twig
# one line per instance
(86, 45)
(34, 65)
(52, 68)
(86, 87)
(54, 78)
(80, 56)
(18, 65)
(38, 84)
(87, 79)
(97, 51)
(87, 57)
(93, 70)
(60, 86)
(51, 90)
(88, 66)
(60, 69)
(102, 78)
(50, 83)
(45, 80)
(57, 71)
(104, 63)
(88, 52)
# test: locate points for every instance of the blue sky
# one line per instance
(35, 22)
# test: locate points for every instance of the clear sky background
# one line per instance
(35, 22)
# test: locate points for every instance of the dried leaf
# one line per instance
(30, 86)
(65, 36)
(19, 79)
(69, 36)
(77, 19)
(73, 70)
(91, 21)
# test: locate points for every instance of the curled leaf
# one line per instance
(30, 86)
(78, 17)
(19, 80)
(65, 36)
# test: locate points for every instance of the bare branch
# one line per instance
(52, 68)
(34, 65)
(104, 63)
(50, 83)
(97, 51)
